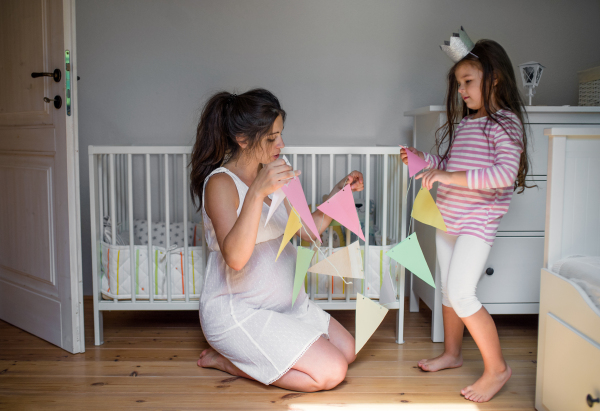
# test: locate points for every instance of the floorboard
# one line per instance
(148, 361)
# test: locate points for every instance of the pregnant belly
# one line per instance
(265, 283)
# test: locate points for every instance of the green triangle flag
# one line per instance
(302, 263)
(409, 254)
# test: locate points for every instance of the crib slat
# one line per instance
(348, 236)
(113, 223)
(105, 182)
(132, 256)
(330, 289)
(367, 205)
(295, 167)
(185, 269)
(313, 188)
(168, 231)
(384, 201)
(151, 285)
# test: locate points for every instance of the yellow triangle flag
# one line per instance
(369, 315)
(347, 262)
(425, 210)
(291, 228)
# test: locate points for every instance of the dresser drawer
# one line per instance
(516, 262)
(527, 211)
(571, 367)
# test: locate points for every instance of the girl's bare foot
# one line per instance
(212, 359)
(487, 386)
(441, 362)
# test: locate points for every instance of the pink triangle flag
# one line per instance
(341, 208)
(295, 194)
(415, 163)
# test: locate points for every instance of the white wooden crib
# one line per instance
(568, 365)
(136, 190)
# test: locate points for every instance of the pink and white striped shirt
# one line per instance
(490, 154)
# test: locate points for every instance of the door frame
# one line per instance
(72, 136)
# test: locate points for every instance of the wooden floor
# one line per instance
(148, 361)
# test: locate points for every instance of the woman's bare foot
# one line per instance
(212, 359)
(487, 386)
(441, 362)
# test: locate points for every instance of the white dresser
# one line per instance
(510, 283)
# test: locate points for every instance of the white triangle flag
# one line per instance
(368, 317)
(278, 197)
(347, 262)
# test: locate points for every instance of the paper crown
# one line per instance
(459, 46)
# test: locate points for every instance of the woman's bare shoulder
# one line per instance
(220, 193)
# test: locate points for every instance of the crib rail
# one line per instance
(152, 183)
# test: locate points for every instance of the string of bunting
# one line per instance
(348, 260)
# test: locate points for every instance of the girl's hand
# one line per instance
(272, 177)
(431, 176)
(355, 179)
(413, 150)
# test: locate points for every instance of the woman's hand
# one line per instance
(413, 150)
(458, 178)
(355, 179)
(272, 177)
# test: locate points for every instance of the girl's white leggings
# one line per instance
(462, 260)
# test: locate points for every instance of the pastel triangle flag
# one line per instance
(415, 163)
(291, 228)
(294, 192)
(302, 263)
(369, 315)
(387, 293)
(426, 211)
(409, 254)
(347, 262)
(341, 208)
(278, 197)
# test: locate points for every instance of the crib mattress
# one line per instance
(583, 271)
(117, 272)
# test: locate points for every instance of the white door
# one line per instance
(40, 257)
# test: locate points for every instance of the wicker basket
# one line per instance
(589, 87)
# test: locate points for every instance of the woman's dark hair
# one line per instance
(495, 64)
(224, 117)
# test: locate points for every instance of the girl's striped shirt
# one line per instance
(490, 154)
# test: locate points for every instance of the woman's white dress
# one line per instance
(247, 315)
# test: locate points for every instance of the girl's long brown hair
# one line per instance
(495, 64)
(225, 117)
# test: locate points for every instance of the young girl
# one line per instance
(483, 162)
(246, 308)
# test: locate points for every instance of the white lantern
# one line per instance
(530, 74)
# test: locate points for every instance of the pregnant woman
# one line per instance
(246, 309)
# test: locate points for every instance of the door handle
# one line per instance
(57, 101)
(56, 75)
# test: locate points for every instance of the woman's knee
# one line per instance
(335, 374)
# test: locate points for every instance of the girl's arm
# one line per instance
(322, 220)
(503, 173)
(237, 235)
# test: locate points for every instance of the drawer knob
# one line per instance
(591, 400)
(489, 271)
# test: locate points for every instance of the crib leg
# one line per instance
(414, 298)
(98, 327)
(437, 320)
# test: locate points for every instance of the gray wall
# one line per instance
(344, 70)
